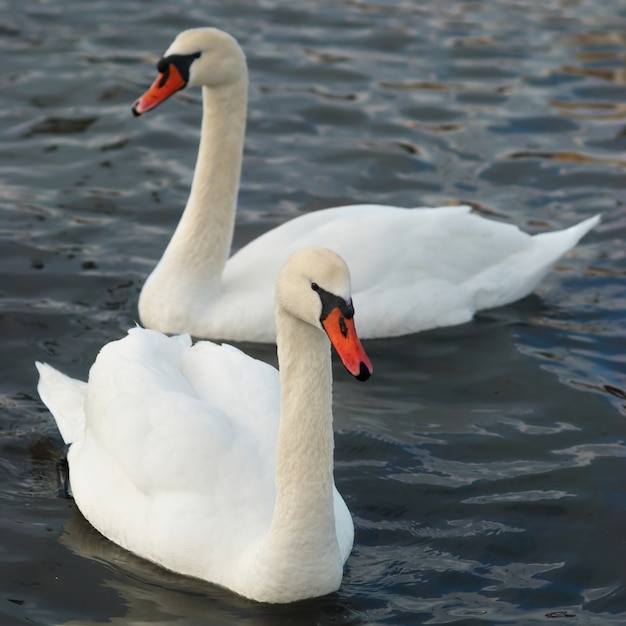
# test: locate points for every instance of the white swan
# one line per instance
(198, 458)
(413, 269)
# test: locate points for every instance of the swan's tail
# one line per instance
(520, 273)
(560, 241)
(64, 396)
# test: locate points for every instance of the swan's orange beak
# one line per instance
(165, 85)
(342, 334)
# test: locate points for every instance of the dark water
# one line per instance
(485, 465)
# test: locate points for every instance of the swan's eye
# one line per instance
(162, 66)
(315, 287)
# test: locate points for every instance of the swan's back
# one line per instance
(412, 269)
(162, 437)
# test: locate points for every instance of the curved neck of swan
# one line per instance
(202, 240)
(303, 524)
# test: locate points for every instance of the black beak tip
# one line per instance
(134, 109)
(364, 372)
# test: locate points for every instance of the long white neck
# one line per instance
(194, 260)
(204, 234)
(301, 549)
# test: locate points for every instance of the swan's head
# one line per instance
(314, 286)
(198, 56)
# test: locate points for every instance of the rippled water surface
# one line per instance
(485, 465)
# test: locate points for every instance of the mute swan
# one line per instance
(201, 460)
(413, 269)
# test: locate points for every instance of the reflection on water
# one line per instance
(483, 464)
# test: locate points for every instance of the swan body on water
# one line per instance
(211, 463)
(413, 269)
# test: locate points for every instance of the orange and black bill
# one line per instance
(339, 326)
(173, 76)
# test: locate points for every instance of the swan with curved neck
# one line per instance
(413, 268)
(199, 459)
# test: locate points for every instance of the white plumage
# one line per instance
(198, 458)
(413, 269)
